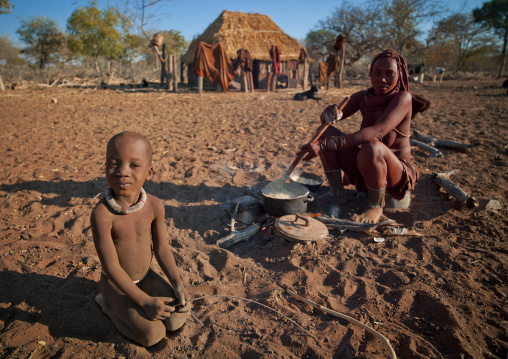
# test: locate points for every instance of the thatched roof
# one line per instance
(254, 32)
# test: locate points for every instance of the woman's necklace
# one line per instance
(122, 210)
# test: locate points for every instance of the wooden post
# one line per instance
(245, 82)
(305, 74)
(164, 72)
(200, 84)
(169, 72)
(251, 82)
(340, 55)
(175, 73)
(269, 75)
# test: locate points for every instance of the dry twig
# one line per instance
(349, 319)
(434, 152)
(442, 179)
(253, 301)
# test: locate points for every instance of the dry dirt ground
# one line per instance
(439, 295)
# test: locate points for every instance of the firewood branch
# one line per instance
(237, 236)
(434, 152)
(443, 180)
(437, 142)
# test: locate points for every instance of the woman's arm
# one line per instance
(163, 251)
(397, 110)
(351, 107)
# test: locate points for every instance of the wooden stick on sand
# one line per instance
(442, 179)
(349, 319)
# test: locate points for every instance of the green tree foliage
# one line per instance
(43, 38)
(456, 39)
(9, 54)
(494, 15)
(175, 42)
(5, 7)
(95, 33)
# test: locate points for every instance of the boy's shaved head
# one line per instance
(133, 136)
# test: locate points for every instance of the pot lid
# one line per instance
(302, 229)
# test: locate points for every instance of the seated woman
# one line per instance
(377, 158)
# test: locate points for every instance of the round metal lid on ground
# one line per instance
(301, 229)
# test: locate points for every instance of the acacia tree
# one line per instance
(319, 43)
(460, 38)
(402, 20)
(95, 33)
(146, 13)
(9, 54)
(494, 15)
(43, 38)
(5, 7)
(359, 23)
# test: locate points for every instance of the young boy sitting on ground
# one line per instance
(128, 228)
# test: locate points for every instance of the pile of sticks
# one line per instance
(429, 144)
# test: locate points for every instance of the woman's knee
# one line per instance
(371, 151)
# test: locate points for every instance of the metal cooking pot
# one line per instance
(278, 207)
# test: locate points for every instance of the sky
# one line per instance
(191, 17)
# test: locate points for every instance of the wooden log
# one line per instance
(437, 142)
(434, 152)
(238, 236)
(337, 223)
(442, 179)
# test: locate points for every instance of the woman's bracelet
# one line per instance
(333, 143)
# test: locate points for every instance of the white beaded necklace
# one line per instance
(122, 210)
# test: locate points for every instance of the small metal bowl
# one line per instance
(309, 180)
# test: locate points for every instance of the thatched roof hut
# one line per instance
(254, 32)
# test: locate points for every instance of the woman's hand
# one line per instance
(312, 149)
(158, 308)
(330, 114)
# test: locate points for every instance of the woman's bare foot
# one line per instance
(370, 215)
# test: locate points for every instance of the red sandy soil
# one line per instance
(439, 295)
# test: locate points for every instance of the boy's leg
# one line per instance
(156, 286)
(128, 318)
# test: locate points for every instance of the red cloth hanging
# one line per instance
(244, 60)
(275, 55)
(212, 62)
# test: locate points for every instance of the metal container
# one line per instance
(309, 180)
(278, 207)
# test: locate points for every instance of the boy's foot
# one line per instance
(99, 299)
(370, 215)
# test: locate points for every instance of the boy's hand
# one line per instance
(180, 294)
(157, 308)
